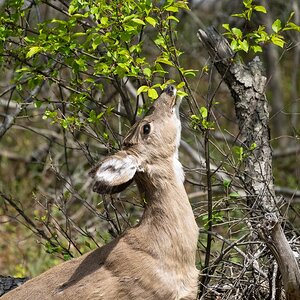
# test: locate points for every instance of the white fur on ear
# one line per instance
(115, 173)
(116, 170)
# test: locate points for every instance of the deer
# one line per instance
(154, 260)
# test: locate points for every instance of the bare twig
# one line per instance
(37, 231)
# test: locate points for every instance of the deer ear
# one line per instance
(114, 174)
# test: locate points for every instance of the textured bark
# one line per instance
(247, 85)
(8, 283)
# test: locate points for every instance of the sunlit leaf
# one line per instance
(237, 32)
(278, 41)
(152, 93)
(173, 18)
(292, 26)
(172, 9)
(138, 21)
(276, 26)
(260, 8)
(256, 48)
(226, 26)
(182, 94)
(180, 85)
(151, 21)
(164, 61)
(147, 72)
(142, 89)
(204, 112)
(33, 50)
(104, 20)
(244, 45)
(247, 3)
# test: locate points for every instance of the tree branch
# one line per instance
(247, 85)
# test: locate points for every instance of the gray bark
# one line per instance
(8, 283)
(247, 85)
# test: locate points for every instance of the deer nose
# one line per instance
(170, 90)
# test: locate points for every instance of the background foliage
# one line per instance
(75, 76)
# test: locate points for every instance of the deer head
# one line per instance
(150, 149)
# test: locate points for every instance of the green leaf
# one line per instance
(252, 146)
(234, 195)
(182, 94)
(260, 8)
(151, 21)
(158, 85)
(195, 118)
(226, 183)
(226, 26)
(244, 45)
(172, 9)
(240, 152)
(164, 61)
(234, 45)
(142, 89)
(33, 50)
(147, 72)
(248, 14)
(72, 9)
(152, 93)
(247, 3)
(276, 26)
(23, 70)
(173, 18)
(182, 4)
(104, 20)
(195, 121)
(239, 15)
(159, 41)
(105, 136)
(138, 21)
(64, 123)
(189, 73)
(277, 40)
(38, 103)
(237, 32)
(97, 41)
(180, 85)
(93, 117)
(204, 112)
(292, 26)
(256, 48)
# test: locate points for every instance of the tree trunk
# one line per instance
(247, 86)
(8, 283)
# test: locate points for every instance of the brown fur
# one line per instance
(154, 260)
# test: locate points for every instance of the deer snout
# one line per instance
(170, 90)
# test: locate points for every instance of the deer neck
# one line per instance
(168, 219)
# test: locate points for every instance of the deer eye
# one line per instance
(146, 129)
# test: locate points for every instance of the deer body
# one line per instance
(154, 260)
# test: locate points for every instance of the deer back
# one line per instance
(156, 258)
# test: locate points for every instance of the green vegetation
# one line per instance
(75, 76)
